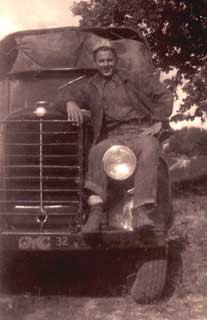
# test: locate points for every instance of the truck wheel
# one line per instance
(147, 284)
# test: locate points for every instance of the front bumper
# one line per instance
(64, 241)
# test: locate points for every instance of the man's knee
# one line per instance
(100, 148)
(149, 146)
(150, 141)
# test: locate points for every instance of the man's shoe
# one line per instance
(143, 217)
(93, 223)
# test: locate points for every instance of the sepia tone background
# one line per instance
(31, 14)
(39, 289)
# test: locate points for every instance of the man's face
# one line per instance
(106, 62)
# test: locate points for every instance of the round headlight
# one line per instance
(119, 162)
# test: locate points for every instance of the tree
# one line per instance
(176, 31)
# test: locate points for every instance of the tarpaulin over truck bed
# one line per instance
(70, 47)
(35, 64)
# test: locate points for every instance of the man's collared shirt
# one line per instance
(116, 103)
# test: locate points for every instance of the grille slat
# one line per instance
(46, 202)
(42, 144)
(33, 178)
(35, 190)
(44, 157)
(44, 166)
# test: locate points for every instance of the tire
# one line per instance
(148, 283)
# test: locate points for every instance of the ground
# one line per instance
(39, 289)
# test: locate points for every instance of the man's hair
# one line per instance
(104, 49)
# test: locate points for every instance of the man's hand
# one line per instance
(152, 130)
(74, 112)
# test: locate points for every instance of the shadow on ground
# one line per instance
(94, 274)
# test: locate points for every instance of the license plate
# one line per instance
(28, 242)
(64, 242)
(46, 242)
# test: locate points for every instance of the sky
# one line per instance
(29, 14)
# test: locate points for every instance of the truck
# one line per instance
(43, 156)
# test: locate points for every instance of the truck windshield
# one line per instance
(25, 88)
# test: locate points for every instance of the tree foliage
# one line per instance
(189, 142)
(176, 31)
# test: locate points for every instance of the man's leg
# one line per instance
(97, 183)
(145, 180)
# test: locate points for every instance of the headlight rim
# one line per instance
(133, 163)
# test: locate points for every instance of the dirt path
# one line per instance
(46, 294)
(27, 307)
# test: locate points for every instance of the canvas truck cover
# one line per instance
(65, 49)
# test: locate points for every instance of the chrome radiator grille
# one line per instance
(42, 166)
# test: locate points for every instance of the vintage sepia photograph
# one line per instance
(103, 160)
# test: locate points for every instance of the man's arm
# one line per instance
(152, 130)
(160, 103)
(161, 98)
(74, 98)
(73, 112)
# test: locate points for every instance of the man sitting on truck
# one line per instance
(128, 112)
